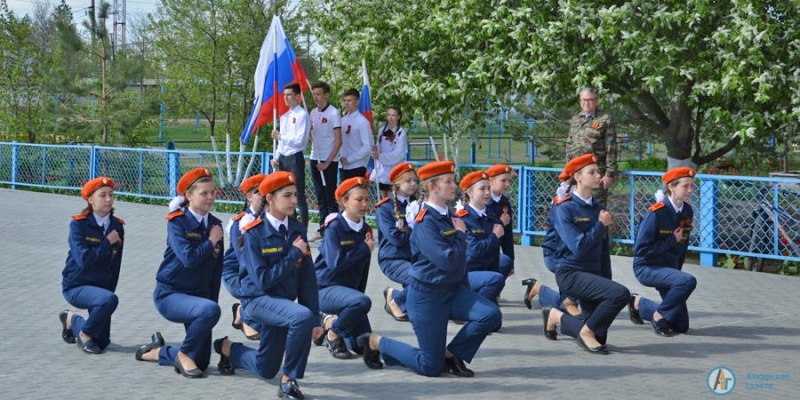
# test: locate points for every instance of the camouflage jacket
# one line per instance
(597, 135)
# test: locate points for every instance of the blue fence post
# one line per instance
(94, 156)
(264, 163)
(174, 172)
(649, 148)
(775, 204)
(633, 214)
(531, 156)
(529, 182)
(14, 162)
(141, 170)
(708, 221)
(472, 151)
(640, 150)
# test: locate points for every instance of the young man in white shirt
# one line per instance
(326, 140)
(357, 139)
(292, 141)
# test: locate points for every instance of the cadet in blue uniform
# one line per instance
(499, 207)
(188, 280)
(438, 291)
(582, 225)
(230, 263)
(92, 269)
(394, 247)
(659, 252)
(549, 297)
(342, 269)
(276, 270)
(484, 234)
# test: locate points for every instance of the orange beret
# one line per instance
(94, 184)
(348, 184)
(435, 169)
(400, 169)
(498, 169)
(471, 179)
(563, 176)
(677, 173)
(251, 183)
(577, 163)
(276, 180)
(191, 177)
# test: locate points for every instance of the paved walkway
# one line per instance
(743, 320)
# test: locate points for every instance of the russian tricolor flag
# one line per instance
(364, 101)
(277, 66)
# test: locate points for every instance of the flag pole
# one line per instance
(275, 121)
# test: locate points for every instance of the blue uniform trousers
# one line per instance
(488, 284)
(286, 328)
(506, 265)
(675, 287)
(351, 307)
(601, 300)
(397, 271)
(429, 311)
(101, 303)
(198, 315)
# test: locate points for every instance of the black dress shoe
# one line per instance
(234, 309)
(90, 346)
(372, 358)
(388, 309)
(337, 348)
(224, 366)
(156, 341)
(192, 373)
(662, 328)
(529, 283)
(456, 366)
(66, 334)
(633, 313)
(602, 349)
(321, 340)
(552, 335)
(290, 390)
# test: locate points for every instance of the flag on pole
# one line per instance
(364, 102)
(277, 67)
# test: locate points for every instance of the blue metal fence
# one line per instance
(743, 216)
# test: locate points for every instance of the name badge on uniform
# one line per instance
(450, 232)
(346, 242)
(271, 250)
(93, 239)
(582, 219)
(665, 231)
(478, 231)
(194, 235)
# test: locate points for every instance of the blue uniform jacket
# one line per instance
(91, 259)
(483, 246)
(496, 209)
(438, 250)
(191, 264)
(393, 244)
(580, 235)
(655, 244)
(344, 257)
(231, 261)
(271, 265)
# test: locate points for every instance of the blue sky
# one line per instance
(135, 8)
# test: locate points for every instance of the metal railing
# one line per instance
(743, 216)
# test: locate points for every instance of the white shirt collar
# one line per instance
(677, 210)
(276, 223)
(441, 210)
(356, 226)
(402, 199)
(481, 212)
(587, 201)
(104, 221)
(354, 113)
(200, 218)
(497, 198)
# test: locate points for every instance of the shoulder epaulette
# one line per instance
(174, 215)
(121, 221)
(557, 201)
(252, 224)
(462, 213)
(239, 216)
(78, 217)
(421, 215)
(656, 206)
(384, 200)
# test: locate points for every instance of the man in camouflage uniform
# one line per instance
(592, 131)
